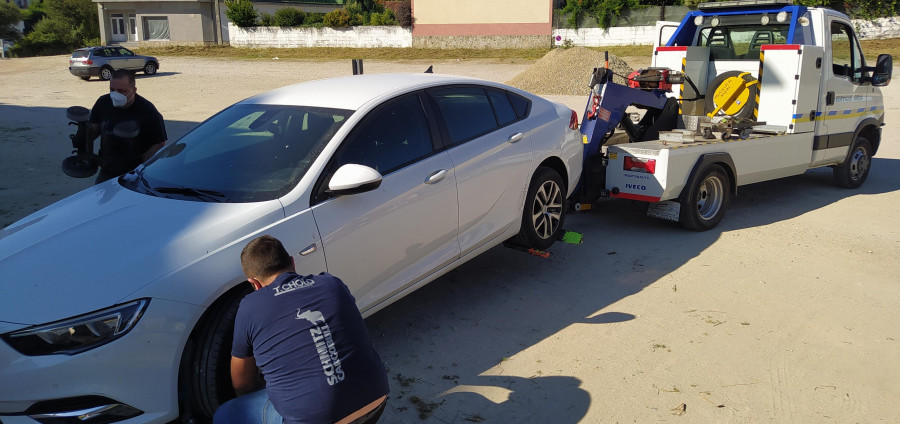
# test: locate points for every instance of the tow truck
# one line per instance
(744, 91)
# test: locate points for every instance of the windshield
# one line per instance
(246, 153)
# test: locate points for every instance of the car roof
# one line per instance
(353, 92)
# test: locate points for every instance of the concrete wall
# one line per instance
(363, 36)
(644, 35)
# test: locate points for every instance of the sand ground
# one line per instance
(787, 312)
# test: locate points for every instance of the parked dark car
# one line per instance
(100, 62)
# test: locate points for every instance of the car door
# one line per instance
(129, 59)
(385, 240)
(846, 93)
(114, 59)
(491, 153)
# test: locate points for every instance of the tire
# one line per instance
(717, 88)
(704, 206)
(205, 374)
(86, 78)
(855, 169)
(150, 68)
(106, 73)
(545, 210)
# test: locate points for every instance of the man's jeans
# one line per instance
(252, 408)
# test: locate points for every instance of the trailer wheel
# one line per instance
(853, 172)
(545, 210)
(704, 206)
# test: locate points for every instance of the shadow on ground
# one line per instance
(446, 344)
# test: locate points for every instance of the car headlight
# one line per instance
(77, 334)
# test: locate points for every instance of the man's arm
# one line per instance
(244, 376)
(152, 151)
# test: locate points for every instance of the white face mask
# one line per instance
(118, 99)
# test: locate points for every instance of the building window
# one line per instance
(156, 28)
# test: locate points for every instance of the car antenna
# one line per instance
(429, 70)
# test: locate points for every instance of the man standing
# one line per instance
(309, 340)
(120, 149)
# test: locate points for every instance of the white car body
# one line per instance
(109, 245)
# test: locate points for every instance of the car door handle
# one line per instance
(829, 98)
(515, 137)
(309, 249)
(436, 176)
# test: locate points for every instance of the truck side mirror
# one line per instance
(884, 66)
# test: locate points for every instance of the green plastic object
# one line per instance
(572, 237)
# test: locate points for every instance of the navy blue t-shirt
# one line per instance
(311, 343)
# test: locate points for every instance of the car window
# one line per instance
(125, 52)
(521, 105)
(390, 137)
(502, 107)
(80, 53)
(110, 53)
(100, 53)
(467, 112)
(247, 152)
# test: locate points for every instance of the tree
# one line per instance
(67, 25)
(10, 15)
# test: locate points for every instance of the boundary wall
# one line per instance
(395, 36)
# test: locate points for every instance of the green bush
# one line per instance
(313, 18)
(242, 13)
(358, 19)
(50, 37)
(266, 19)
(336, 19)
(384, 18)
(289, 17)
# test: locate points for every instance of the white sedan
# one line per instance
(118, 302)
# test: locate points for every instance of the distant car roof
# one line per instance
(352, 92)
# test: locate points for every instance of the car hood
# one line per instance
(93, 249)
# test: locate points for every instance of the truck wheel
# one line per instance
(544, 213)
(704, 206)
(205, 374)
(853, 172)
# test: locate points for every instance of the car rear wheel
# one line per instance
(205, 374)
(150, 68)
(106, 73)
(544, 214)
(85, 78)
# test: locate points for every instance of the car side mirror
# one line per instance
(884, 67)
(352, 179)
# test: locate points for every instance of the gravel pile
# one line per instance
(567, 71)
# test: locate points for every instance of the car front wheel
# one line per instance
(205, 374)
(544, 213)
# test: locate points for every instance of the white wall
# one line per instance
(362, 36)
(644, 35)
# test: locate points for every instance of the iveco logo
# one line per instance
(636, 186)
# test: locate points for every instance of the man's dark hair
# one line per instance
(123, 73)
(264, 257)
